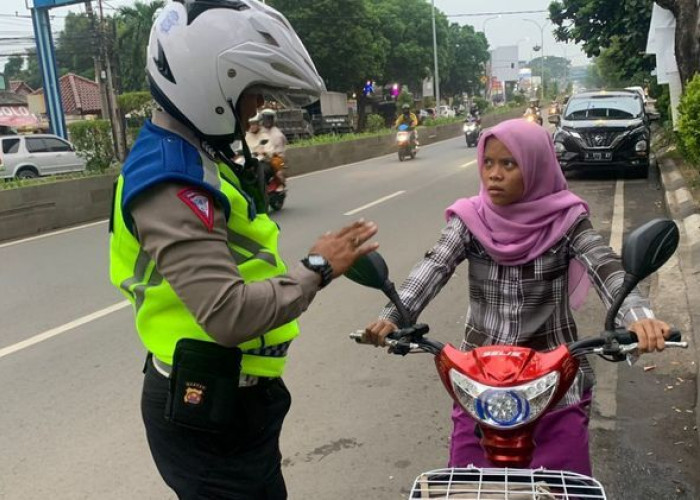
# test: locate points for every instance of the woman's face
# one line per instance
(501, 174)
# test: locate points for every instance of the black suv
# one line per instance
(604, 129)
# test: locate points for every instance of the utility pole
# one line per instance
(115, 117)
(98, 61)
(541, 28)
(436, 75)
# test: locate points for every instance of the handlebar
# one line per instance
(615, 344)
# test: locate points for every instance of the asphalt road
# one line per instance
(363, 424)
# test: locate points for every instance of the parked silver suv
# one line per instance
(28, 156)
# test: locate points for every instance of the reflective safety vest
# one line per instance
(161, 317)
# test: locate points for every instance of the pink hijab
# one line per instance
(520, 232)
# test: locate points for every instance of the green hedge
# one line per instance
(375, 123)
(689, 121)
(93, 142)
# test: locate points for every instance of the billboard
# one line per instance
(525, 79)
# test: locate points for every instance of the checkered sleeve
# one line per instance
(430, 274)
(606, 273)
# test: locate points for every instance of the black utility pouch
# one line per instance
(203, 385)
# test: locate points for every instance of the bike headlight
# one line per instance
(640, 146)
(465, 127)
(508, 407)
(559, 148)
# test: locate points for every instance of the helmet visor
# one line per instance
(286, 98)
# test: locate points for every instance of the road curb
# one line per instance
(682, 207)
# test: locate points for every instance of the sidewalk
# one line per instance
(683, 208)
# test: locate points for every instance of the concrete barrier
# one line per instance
(32, 210)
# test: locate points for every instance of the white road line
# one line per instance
(53, 233)
(62, 329)
(468, 164)
(607, 374)
(376, 202)
(618, 222)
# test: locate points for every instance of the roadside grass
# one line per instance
(17, 183)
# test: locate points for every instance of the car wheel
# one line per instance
(27, 173)
(643, 173)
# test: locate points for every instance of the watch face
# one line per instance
(317, 260)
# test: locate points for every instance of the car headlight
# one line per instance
(504, 407)
(559, 148)
(575, 134)
(640, 146)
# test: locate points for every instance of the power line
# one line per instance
(506, 13)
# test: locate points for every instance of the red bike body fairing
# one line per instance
(502, 367)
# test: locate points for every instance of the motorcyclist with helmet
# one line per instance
(410, 119)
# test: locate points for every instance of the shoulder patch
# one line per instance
(201, 203)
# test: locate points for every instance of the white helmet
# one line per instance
(202, 55)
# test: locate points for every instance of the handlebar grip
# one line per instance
(624, 337)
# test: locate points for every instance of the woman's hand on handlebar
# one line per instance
(651, 334)
(377, 331)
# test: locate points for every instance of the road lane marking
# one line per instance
(63, 328)
(606, 386)
(376, 202)
(53, 233)
(618, 222)
(468, 164)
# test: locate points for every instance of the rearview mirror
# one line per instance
(644, 251)
(555, 119)
(370, 270)
(648, 247)
(653, 117)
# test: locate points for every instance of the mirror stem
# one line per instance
(390, 291)
(627, 286)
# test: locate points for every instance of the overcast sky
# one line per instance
(509, 29)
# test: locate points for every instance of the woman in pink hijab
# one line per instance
(532, 256)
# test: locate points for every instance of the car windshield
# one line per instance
(604, 107)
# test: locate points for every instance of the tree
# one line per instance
(133, 29)
(13, 68)
(76, 46)
(687, 14)
(601, 24)
(407, 26)
(343, 39)
(469, 54)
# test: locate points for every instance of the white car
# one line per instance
(29, 156)
(446, 112)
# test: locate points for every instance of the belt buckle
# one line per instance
(245, 380)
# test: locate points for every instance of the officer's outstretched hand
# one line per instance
(343, 247)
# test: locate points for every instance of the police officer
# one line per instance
(194, 252)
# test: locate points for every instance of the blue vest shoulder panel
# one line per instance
(162, 156)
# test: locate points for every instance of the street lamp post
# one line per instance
(483, 30)
(436, 74)
(541, 28)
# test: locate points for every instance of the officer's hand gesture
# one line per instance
(343, 247)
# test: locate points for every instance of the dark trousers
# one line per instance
(241, 464)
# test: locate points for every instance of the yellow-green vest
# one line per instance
(162, 318)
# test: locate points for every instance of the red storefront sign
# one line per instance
(18, 117)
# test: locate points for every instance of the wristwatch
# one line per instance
(318, 264)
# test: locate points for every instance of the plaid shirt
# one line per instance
(526, 305)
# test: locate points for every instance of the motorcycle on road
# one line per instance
(508, 389)
(472, 131)
(406, 142)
